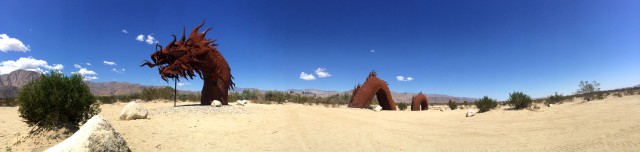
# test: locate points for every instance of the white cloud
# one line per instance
(89, 78)
(125, 31)
(87, 74)
(84, 71)
(88, 63)
(29, 64)
(11, 44)
(150, 40)
(322, 73)
(77, 66)
(140, 37)
(305, 76)
(372, 51)
(402, 78)
(109, 63)
(117, 71)
(180, 84)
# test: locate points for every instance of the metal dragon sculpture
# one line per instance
(373, 86)
(195, 55)
(419, 102)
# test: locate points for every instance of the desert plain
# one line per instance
(612, 124)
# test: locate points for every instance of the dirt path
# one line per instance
(612, 124)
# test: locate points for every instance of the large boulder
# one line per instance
(95, 135)
(216, 103)
(133, 111)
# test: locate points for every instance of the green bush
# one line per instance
(402, 105)
(453, 105)
(555, 99)
(519, 100)
(486, 104)
(55, 100)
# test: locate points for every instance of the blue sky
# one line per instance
(459, 48)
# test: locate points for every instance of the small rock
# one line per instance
(377, 108)
(241, 102)
(216, 103)
(441, 109)
(133, 111)
(470, 113)
(550, 105)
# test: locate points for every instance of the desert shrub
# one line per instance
(55, 100)
(107, 99)
(618, 94)
(555, 99)
(453, 105)
(486, 104)
(8, 102)
(277, 96)
(519, 100)
(402, 105)
(465, 103)
(149, 94)
(587, 90)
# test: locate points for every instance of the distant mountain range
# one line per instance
(12, 82)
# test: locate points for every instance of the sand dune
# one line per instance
(612, 124)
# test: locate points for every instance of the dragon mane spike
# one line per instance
(183, 36)
(373, 73)
(174, 39)
(205, 31)
(195, 30)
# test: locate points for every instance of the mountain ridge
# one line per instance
(11, 83)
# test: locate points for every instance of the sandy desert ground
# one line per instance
(612, 124)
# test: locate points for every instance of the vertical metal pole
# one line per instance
(175, 91)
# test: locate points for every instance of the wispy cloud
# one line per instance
(149, 40)
(11, 44)
(109, 63)
(181, 84)
(372, 51)
(308, 77)
(77, 66)
(28, 63)
(322, 73)
(88, 63)
(117, 71)
(402, 78)
(125, 31)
